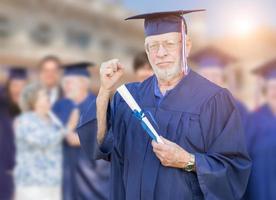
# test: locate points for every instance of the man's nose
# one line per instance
(161, 51)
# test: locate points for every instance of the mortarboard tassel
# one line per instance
(184, 57)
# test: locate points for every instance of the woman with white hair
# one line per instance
(39, 136)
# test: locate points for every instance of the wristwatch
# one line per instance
(190, 166)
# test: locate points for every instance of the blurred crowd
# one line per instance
(40, 153)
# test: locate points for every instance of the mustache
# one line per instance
(162, 62)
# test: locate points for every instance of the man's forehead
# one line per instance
(18, 81)
(163, 37)
(50, 66)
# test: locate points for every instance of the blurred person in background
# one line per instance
(7, 152)
(3, 79)
(17, 80)
(261, 139)
(39, 136)
(49, 75)
(142, 67)
(83, 178)
(211, 63)
(9, 109)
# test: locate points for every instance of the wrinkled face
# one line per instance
(74, 85)
(144, 72)
(164, 53)
(50, 74)
(213, 74)
(15, 88)
(42, 102)
(270, 92)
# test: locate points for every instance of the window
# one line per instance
(78, 38)
(42, 34)
(5, 27)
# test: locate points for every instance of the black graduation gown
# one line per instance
(82, 179)
(7, 152)
(197, 115)
(261, 140)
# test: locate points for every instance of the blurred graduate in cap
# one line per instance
(9, 109)
(17, 80)
(202, 154)
(83, 178)
(211, 63)
(261, 139)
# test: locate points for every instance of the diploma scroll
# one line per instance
(125, 94)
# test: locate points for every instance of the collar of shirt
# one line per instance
(157, 92)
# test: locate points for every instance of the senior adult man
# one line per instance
(203, 156)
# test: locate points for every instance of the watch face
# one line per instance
(189, 168)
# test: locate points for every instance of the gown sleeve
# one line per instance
(223, 168)
(87, 131)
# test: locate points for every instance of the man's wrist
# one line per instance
(183, 158)
(190, 165)
(104, 92)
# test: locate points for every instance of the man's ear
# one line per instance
(188, 45)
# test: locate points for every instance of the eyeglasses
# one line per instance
(169, 45)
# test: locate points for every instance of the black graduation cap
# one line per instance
(163, 22)
(78, 69)
(267, 70)
(211, 56)
(18, 72)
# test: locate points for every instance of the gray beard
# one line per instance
(167, 74)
